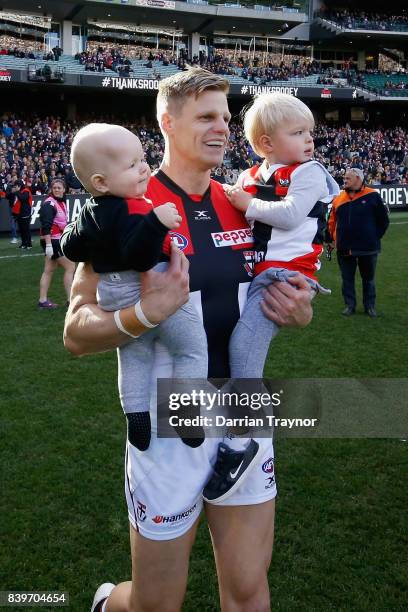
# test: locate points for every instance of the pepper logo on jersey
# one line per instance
(267, 467)
(179, 240)
(284, 182)
(239, 236)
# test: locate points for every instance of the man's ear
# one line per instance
(167, 123)
(265, 144)
(98, 182)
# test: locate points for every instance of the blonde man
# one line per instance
(164, 484)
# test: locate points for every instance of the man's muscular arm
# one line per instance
(89, 329)
(286, 305)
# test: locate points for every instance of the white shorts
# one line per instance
(164, 485)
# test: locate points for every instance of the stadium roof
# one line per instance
(188, 17)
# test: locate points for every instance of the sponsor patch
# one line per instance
(176, 518)
(227, 239)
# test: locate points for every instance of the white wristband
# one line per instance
(116, 316)
(141, 316)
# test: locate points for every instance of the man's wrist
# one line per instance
(151, 314)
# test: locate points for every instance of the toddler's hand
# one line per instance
(168, 215)
(239, 198)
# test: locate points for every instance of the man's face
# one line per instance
(352, 182)
(199, 132)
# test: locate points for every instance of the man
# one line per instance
(358, 220)
(166, 481)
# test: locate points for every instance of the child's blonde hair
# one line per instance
(270, 111)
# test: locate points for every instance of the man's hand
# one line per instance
(168, 215)
(164, 292)
(239, 198)
(286, 305)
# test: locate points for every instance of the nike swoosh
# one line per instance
(233, 474)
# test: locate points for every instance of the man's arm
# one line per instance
(382, 217)
(89, 329)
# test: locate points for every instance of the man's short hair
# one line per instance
(357, 172)
(174, 90)
(270, 111)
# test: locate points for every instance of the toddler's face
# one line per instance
(129, 173)
(294, 143)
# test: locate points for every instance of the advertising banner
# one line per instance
(120, 83)
(324, 93)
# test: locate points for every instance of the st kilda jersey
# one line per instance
(290, 234)
(218, 243)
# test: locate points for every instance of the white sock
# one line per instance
(236, 443)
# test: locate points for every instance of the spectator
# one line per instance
(358, 220)
(21, 211)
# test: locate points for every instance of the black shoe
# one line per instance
(371, 312)
(230, 470)
(139, 429)
(348, 311)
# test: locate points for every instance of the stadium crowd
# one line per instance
(36, 150)
(28, 48)
(98, 58)
(359, 19)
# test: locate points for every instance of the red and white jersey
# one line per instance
(288, 214)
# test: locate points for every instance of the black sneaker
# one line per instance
(230, 470)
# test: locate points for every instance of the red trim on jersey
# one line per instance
(229, 217)
(139, 206)
(306, 264)
(282, 178)
(160, 194)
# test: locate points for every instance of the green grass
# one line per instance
(340, 538)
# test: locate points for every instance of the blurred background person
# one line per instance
(357, 222)
(10, 195)
(21, 211)
(53, 219)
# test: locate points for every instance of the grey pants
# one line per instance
(183, 335)
(253, 333)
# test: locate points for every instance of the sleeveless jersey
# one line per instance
(218, 243)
